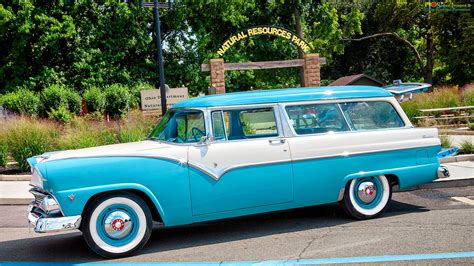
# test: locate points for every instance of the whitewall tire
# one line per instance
(117, 225)
(367, 197)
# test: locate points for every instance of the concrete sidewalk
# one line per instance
(462, 174)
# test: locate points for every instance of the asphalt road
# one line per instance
(417, 222)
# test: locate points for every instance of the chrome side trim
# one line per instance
(216, 175)
(341, 194)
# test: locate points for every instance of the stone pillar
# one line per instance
(312, 77)
(217, 75)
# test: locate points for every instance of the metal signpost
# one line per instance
(156, 14)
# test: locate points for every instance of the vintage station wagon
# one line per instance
(236, 154)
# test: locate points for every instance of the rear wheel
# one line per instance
(117, 225)
(367, 197)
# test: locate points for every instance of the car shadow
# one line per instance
(72, 248)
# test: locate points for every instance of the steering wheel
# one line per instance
(193, 131)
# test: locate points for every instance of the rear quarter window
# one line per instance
(371, 115)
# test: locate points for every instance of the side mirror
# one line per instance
(205, 140)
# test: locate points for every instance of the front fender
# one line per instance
(74, 181)
(73, 201)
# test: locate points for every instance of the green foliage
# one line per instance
(95, 100)
(446, 141)
(471, 126)
(467, 147)
(62, 114)
(3, 152)
(468, 97)
(135, 93)
(94, 44)
(22, 101)
(28, 137)
(411, 109)
(118, 100)
(57, 96)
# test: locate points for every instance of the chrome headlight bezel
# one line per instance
(37, 179)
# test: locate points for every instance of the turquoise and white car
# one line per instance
(236, 154)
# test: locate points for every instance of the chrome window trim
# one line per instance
(212, 125)
(344, 116)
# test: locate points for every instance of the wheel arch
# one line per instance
(150, 200)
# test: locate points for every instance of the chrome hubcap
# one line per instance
(118, 224)
(367, 191)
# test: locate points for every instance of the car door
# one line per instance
(247, 165)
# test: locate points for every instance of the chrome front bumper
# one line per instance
(53, 224)
(45, 215)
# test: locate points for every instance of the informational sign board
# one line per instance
(151, 99)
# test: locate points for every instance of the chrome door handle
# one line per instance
(275, 141)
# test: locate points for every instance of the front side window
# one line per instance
(249, 123)
(371, 115)
(218, 125)
(180, 126)
(316, 118)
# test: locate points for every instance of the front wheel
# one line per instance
(367, 197)
(117, 225)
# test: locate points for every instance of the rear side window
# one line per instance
(316, 118)
(371, 115)
(245, 123)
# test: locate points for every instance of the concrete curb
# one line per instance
(15, 177)
(458, 158)
(15, 201)
(442, 183)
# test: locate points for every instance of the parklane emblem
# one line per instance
(264, 30)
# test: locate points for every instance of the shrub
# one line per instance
(468, 97)
(411, 109)
(95, 100)
(28, 137)
(118, 100)
(471, 126)
(22, 101)
(135, 93)
(467, 146)
(3, 153)
(57, 95)
(136, 128)
(446, 141)
(62, 114)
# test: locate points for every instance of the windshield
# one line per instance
(180, 126)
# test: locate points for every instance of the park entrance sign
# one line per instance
(151, 99)
(264, 30)
(311, 63)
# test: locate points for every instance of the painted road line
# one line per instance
(368, 259)
(464, 200)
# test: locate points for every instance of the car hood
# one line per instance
(147, 148)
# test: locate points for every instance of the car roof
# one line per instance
(284, 95)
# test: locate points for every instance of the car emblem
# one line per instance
(71, 197)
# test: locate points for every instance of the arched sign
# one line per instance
(264, 30)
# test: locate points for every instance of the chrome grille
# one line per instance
(39, 196)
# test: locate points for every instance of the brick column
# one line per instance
(312, 76)
(217, 75)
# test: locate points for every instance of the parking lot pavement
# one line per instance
(419, 224)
